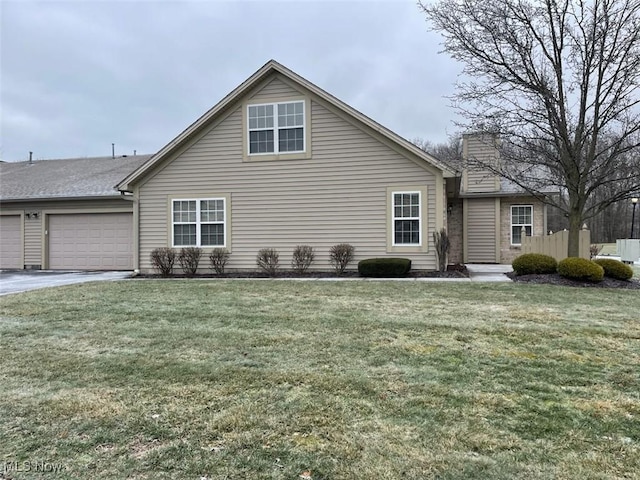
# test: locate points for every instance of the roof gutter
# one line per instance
(56, 199)
(503, 194)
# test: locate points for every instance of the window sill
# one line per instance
(276, 157)
(407, 249)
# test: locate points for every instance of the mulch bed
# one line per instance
(453, 271)
(556, 279)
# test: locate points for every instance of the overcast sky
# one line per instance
(79, 75)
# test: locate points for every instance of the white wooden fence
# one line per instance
(628, 249)
(556, 244)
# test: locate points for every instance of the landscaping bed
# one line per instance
(453, 271)
(556, 279)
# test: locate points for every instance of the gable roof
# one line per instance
(65, 178)
(267, 69)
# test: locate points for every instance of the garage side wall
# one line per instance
(34, 235)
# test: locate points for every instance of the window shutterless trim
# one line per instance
(276, 128)
(198, 221)
(406, 248)
(417, 218)
(519, 225)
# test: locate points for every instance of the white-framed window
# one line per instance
(276, 128)
(521, 216)
(198, 222)
(406, 218)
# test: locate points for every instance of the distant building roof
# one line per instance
(66, 178)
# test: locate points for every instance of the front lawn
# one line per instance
(196, 379)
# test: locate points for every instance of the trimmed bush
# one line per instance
(534, 263)
(303, 257)
(268, 260)
(384, 267)
(340, 256)
(189, 259)
(219, 258)
(580, 269)
(615, 269)
(162, 259)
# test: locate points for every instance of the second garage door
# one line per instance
(10, 241)
(91, 241)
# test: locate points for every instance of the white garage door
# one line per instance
(91, 241)
(10, 242)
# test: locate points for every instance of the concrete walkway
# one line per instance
(479, 272)
(24, 280)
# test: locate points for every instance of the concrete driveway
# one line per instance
(25, 280)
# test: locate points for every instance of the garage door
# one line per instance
(95, 241)
(10, 242)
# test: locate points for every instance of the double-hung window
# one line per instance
(276, 128)
(406, 218)
(198, 222)
(521, 216)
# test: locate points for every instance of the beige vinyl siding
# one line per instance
(338, 195)
(275, 90)
(480, 148)
(33, 241)
(481, 223)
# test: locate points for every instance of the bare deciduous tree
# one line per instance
(450, 152)
(558, 80)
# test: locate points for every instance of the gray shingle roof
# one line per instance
(66, 178)
(507, 186)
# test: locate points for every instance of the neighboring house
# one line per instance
(277, 163)
(66, 214)
(486, 216)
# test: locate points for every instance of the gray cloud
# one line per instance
(77, 76)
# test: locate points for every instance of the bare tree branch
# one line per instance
(559, 81)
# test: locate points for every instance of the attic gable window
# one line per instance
(276, 128)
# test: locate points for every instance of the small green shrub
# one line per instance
(303, 257)
(340, 255)
(534, 263)
(384, 267)
(580, 269)
(162, 259)
(615, 268)
(219, 258)
(189, 259)
(268, 261)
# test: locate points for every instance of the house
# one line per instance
(277, 163)
(486, 217)
(66, 214)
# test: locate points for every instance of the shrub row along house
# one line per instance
(276, 163)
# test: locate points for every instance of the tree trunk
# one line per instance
(575, 225)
